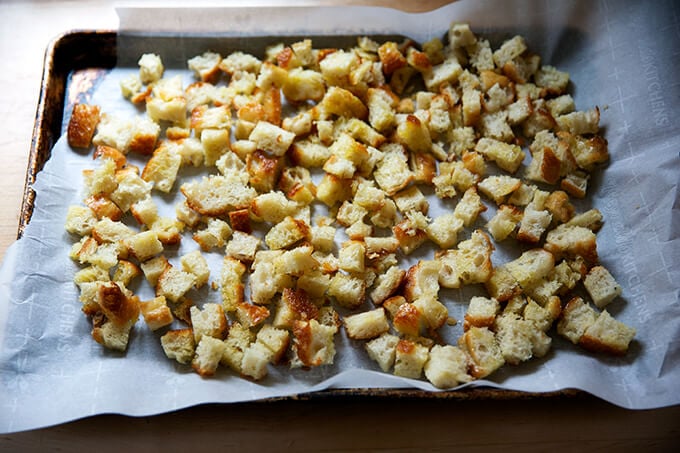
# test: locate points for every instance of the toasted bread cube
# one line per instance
(577, 316)
(216, 195)
(249, 315)
(125, 272)
(410, 359)
(276, 340)
(481, 312)
(348, 291)
(215, 235)
(287, 233)
(303, 84)
(590, 152)
(469, 207)
(531, 266)
(386, 284)
(82, 125)
(572, 240)
(309, 154)
(153, 268)
(410, 234)
(504, 222)
(209, 352)
(215, 143)
(179, 345)
(509, 50)
(255, 359)
(601, 286)
(144, 245)
(411, 199)
(315, 283)
(507, 156)
(380, 246)
(333, 189)
(383, 350)
(591, 219)
(271, 138)
(607, 335)
(445, 72)
(156, 313)
(208, 321)
(351, 256)
(161, 170)
(173, 283)
(243, 246)
(502, 286)
(406, 318)
(118, 306)
(468, 264)
(366, 325)
(296, 261)
(80, 220)
(313, 343)
(150, 68)
(112, 336)
(385, 217)
(444, 230)
(414, 135)
(514, 336)
(472, 106)
(194, 263)
(273, 207)
(447, 366)
(533, 224)
(434, 313)
(323, 238)
(381, 114)
(294, 305)
(422, 280)
(483, 349)
(393, 173)
(145, 211)
(206, 66)
(237, 341)
(554, 81)
(231, 284)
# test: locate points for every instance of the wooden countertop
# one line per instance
(375, 424)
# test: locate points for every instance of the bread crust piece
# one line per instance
(82, 125)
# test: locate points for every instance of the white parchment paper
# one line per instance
(622, 56)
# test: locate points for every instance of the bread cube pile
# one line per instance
(303, 147)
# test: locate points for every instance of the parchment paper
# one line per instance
(622, 56)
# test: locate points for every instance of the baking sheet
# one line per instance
(622, 56)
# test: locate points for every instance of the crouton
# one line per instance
(216, 195)
(481, 312)
(179, 345)
(366, 325)
(410, 359)
(313, 343)
(447, 366)
(349, 291)
(82, 125)
(444, 230)
(607, 335)
(468, 264)
(209, 352)
(383, 350)
(481, 346)
(577, 316)
(174, 283)
(287, 233)
(531, 266)
(601, 286)
(156, 313)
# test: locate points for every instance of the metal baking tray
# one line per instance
(74, 62)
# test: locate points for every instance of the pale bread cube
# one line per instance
(156, 313)
(195, 263)
(150, 68)
(242, 246)
(447, 366)
(174, 283)
(577, 316)
(179, 345)
(601, 286)
(313, 343)
(484, 351)
(366, 325)
(410, 359)
(209, 352)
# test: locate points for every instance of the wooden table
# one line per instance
(563, 424)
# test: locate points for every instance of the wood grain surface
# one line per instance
(578, 423)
